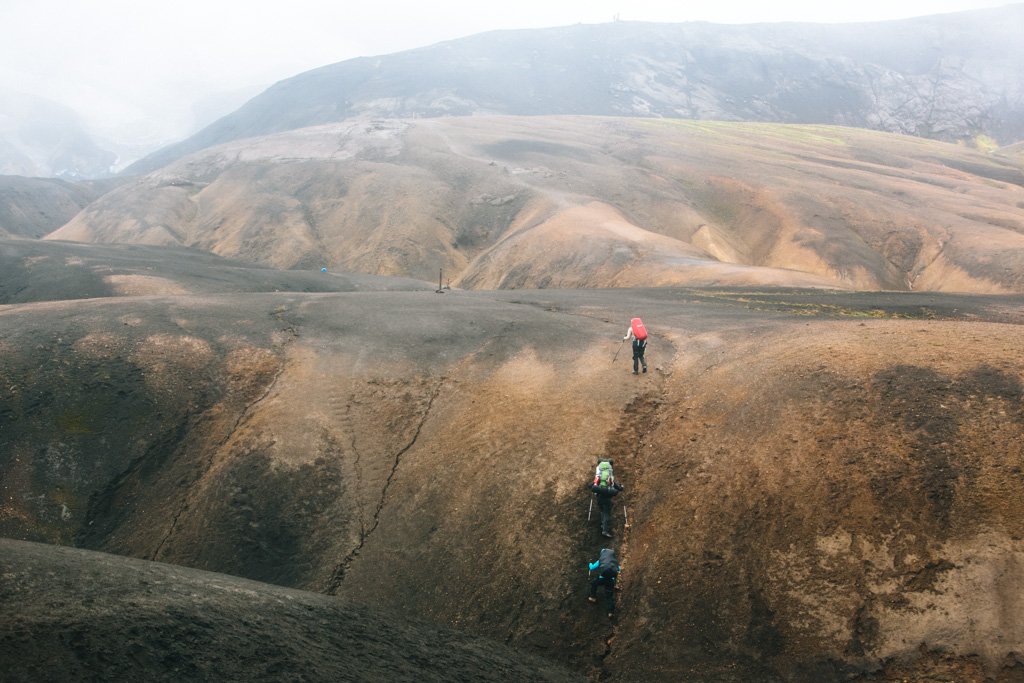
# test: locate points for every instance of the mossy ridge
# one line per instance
(752, 301)
(795, 132)
(75, 423)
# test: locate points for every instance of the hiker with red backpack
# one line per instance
(605, 488)
(638, 333)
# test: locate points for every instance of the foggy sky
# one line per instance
(152, 72)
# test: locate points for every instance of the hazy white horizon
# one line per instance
(147, 73)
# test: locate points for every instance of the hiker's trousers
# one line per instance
(638, 355)
(609, 590)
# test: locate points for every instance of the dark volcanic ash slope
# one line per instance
(591, 202)
(69, 614)
(819, 485)
(39, 270)
(949, 76)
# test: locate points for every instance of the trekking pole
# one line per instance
(625, 514)
(590, 509)
(618, 349)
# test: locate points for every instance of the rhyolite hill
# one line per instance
(950, 77)
(514, 202)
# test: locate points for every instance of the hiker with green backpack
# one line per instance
(605, 488)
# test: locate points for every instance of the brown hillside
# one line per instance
(1015, 152)
(819, 485)
(76, 615)
(573, 201)
(33, 207)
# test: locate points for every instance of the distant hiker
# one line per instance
(638, 333)
(605, 488)
(607, 567)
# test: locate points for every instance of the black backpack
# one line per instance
(607, 564)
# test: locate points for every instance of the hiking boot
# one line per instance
(634, 372)
(606, 534)
(591, 599)
(645, 368)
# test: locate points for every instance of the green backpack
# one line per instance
(604, 476)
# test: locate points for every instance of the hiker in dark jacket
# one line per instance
(604, 495)
(607, 567)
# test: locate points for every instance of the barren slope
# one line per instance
(36, 270)
(571, 202)
(819, 485)
(76, 615)
(32, 207)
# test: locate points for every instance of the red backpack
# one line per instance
(639, 331)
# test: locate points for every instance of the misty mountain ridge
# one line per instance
(39, 137)
(950, 77)
(42, 138)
